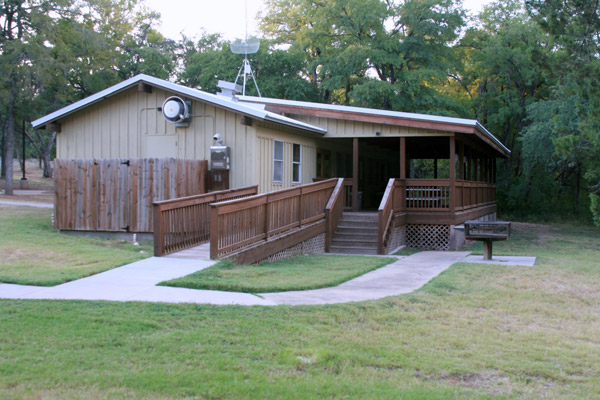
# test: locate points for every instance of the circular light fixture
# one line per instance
(175, 110)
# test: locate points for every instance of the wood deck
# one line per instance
(201, 252)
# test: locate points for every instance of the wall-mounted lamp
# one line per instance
(377, 133)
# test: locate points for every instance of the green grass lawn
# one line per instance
(474, 332)
(33, 253)
(296, 273)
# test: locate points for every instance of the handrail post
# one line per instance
(452, 199)
(380, 231)
(335, 203)
(159, 237)
(214, 232)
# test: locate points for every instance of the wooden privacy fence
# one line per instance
(185, 222)
(117, 194)
(242, 223)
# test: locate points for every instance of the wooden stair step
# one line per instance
(355, 235)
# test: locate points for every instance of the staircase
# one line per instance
(356, 234)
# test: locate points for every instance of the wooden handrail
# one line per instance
(185, 222)
(241, 223)
(385, 214)
(333, 211)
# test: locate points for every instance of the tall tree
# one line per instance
(278, 72)
(570, 116)
(372, 53)
(25, 25)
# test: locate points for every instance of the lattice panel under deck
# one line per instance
(315, 245)
(430, 237)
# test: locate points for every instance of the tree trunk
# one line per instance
(47, 165)
(10, 147)
(44, 151)
(577, 189)
(3, 153)
(46, 154)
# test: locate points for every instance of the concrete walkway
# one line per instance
(403, 276)
(26, 203)
(137, 282)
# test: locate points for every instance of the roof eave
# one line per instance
(215, 100)
(503, 149)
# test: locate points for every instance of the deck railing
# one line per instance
(334, 211)
(245, 222)
(185, 222)
(427, 194)
(430, 196)
(347, 194)
(470, 194)
(385, 215)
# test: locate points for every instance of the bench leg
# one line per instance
(487, 249)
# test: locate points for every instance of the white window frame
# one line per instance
(298, 163)
(277, 163)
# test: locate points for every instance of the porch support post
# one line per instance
(452, 173)
(435, 168)
(403, 160)
(355, 175)
(493, 170)
(461, 160)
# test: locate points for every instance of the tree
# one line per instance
(278, 72)
(24, 28)
(372, 53)
(571, 113)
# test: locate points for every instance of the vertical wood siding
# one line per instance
(264, 159)
(340, 128)
(109, 195)
(128, 125)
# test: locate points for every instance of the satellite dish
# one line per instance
(177, 111)
(245, 46)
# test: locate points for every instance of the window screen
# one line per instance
(297, 163)
(277, 161)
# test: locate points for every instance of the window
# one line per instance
(277, 161)
(297, 163)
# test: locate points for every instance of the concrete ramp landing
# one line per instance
(403, 276)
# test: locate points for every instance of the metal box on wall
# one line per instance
(219, 167)
(219, 158)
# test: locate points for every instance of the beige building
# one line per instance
(444, 166)
(273, 143)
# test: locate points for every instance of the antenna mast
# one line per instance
(245, 47)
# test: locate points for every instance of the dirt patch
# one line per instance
(491, 382)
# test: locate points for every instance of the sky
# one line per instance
(227, 17)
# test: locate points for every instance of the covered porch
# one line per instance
(438, 175)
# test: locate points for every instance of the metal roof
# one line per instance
(250, 110)
(375, 112)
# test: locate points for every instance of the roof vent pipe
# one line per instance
(229, 90)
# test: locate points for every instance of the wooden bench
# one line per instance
(487, 232)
